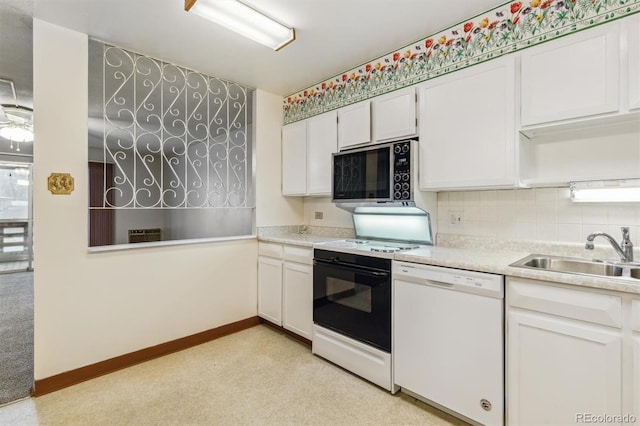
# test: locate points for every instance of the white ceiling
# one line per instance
(332, 35)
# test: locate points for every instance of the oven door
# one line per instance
(353, 300)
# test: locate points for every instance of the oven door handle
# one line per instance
(351, 267)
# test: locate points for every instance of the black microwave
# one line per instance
(377, 173)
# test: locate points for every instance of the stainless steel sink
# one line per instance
(579, 266)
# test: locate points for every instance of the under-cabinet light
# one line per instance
(244, 20)
(617, 191)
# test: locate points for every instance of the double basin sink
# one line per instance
(571, 265)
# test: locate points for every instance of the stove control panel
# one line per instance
(402, 187)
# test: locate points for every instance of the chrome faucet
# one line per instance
(624, 250)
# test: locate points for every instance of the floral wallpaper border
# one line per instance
(505, 29)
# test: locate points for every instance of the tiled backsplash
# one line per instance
(542, 214)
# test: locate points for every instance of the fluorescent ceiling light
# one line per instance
(244, 20)
(617, 191)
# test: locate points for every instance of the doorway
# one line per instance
(16, 224)
(16, 281)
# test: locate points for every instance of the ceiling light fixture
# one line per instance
(613, 191)
(16, 133)
(18, 126)
(244, 20)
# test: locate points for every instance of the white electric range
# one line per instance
(352, 290)
(369, 247)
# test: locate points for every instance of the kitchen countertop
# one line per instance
(304, 240)
(479, 259)
(497, 262)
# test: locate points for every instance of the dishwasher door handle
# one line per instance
(438, 283)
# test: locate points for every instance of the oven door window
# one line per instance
(356, 303)
(349, 294)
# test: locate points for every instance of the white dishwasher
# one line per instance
(448, 339)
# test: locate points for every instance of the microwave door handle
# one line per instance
(350, 267)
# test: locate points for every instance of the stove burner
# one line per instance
(408, 247)
(385, 249)
(370, 246)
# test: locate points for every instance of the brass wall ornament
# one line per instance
(60, 183)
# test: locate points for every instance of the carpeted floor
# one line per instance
(16, 336)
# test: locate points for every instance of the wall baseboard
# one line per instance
(72, 377)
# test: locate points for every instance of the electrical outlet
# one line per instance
(319, 215)
(455, 218)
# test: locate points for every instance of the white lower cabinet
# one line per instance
(285, 287)
(563, 363)
(560, 368)
(270, 289)
(298, 298)
(635, 374)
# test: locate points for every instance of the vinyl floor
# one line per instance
(257, 376)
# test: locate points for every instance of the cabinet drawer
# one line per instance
(635, 314)
(298, 254)
(270, 250)
(581, 305)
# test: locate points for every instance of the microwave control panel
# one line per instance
(402, 171)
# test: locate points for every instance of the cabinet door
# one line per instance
(322, 141)
(354, 124)
(572, 77)
(467, 128)
(635, 351)
(636, 375)
(270, 289)
(294, 158)
(558, 368)
(633, 33)
(394, 115)
(298, 299)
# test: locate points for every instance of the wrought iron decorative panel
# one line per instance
(176, 138)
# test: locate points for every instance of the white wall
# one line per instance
(272, 208)
(544, 214)
(331, 215)
(94, 306)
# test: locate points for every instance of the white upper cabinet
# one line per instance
(322, 141)
(294, 158)
(573, 77)
(354, 124)
(633, 43)
(394, 115)
(307, 146)
(467, 128)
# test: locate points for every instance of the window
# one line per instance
(170, 151)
